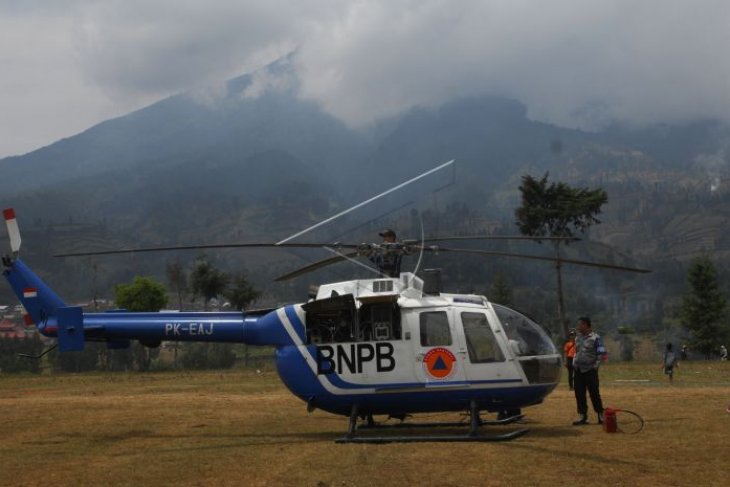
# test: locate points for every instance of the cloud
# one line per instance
(160, 46)
(41, 82)
(576, 63)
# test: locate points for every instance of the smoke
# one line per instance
(715, 165)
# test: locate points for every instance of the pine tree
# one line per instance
(207, 281)
(557, 210)
(703, 309)
(500, 291)
(241, 293)
(142, 294)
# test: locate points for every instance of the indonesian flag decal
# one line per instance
(30, 292)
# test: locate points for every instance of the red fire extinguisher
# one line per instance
(609, 420)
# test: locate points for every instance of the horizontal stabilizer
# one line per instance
(70, 329)
(13, 232)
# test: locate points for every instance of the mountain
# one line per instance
(220, 126)
(250, 163)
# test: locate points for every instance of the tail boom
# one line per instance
(73, 327)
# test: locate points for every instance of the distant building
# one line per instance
(8, 329)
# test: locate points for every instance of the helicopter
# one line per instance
(393, 345)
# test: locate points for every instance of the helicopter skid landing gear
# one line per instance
(472, 435)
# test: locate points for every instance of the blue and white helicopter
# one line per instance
(393, 345)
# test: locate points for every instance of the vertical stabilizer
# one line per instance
(37, 298)
(70, 329)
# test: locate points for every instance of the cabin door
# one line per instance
(485, 360)
(438, 347)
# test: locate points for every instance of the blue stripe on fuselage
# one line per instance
(297, 324)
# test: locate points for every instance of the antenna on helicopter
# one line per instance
(420, 251)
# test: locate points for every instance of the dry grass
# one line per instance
(240, 428)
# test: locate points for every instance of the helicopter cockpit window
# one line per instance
(525, 337)
(435, 329)
(535, 351)
(480, 341)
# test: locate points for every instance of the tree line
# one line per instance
(548, 209)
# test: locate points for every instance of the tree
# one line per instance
(500, 291)
(557, 210)
(626, 343)
(704, 308)
(178, 279)
(142, 294)
(177, 276)
(242, 293)
(207, 281)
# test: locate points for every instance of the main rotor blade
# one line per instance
(537, 257)
(363, 203)
(209, 246)
(313, 267)
(503, 237)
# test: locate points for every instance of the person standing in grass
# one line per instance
(669, 362)
(569, 349)
(589, 351)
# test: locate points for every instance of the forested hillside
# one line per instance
(259, 168)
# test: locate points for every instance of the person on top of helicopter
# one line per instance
(388, 259)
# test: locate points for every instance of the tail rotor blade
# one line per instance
(13, 231)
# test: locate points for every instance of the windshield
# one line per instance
(526, 337)
(537, 354)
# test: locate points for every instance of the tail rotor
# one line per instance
(11, 223)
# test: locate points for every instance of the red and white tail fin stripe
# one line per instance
(13, 231)
(29, 293)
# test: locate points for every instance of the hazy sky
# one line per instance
(68, 64)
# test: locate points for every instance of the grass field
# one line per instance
(243, 428)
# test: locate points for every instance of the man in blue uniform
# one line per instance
(589, 351)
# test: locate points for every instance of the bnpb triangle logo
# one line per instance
(439, 363)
